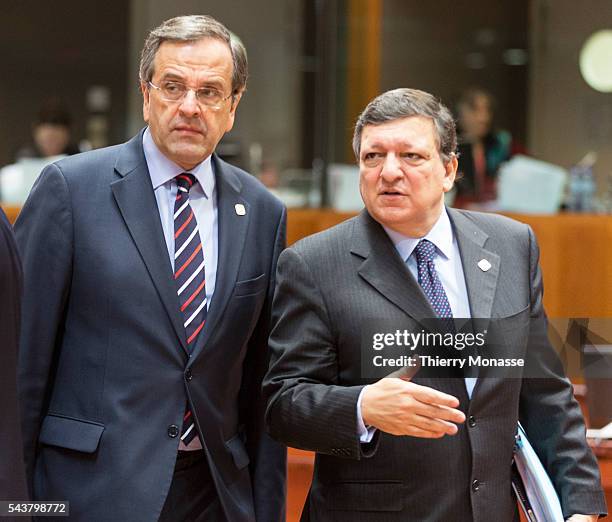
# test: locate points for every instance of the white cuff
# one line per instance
(366, 433)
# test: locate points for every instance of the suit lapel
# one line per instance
(231, 240)
(383, 268)
(135, 198)
(481, 285)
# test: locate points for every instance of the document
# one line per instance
(532, 485)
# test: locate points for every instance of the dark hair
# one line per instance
(403, 103)
(468, 97)
(53, 112)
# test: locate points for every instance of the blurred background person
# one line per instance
(482, 148)
(51, 140)
(51, 133)
(269, 175)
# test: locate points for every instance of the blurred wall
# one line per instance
(269, 113)
(59, 49)
(566, 117)
(445, 46)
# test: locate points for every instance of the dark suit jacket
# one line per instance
(328, 286)
(12, 474)
(104, 369)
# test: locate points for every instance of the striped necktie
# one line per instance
(189, 276)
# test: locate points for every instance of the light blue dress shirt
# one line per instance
(450, 272)
(202, 198)
(203, 201)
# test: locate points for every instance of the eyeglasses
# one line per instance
(175, 91)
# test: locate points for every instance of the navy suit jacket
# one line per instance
(104, 370)
(12, 475)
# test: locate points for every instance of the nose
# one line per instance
(391, 169)
(189, 105)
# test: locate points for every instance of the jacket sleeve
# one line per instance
(552, 417)
(307, 407)
(267, 458)
(44, 234)
(12, 472)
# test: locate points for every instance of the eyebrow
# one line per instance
(217, 84)
(172, 76)
(379, 146)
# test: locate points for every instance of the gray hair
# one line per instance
(403, 103)
(190, 29)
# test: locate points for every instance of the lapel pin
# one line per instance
(484, 265)
(240, 210)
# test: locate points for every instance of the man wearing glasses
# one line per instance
(149, 271)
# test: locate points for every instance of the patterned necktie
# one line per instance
(189, 276)
(430, 282)
(434, 291)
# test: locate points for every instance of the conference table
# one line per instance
(576, 261)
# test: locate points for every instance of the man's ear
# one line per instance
(232, 113)
(450, 173)
(236, 100)
(144, 89)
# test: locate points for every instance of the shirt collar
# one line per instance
(441, 235)
(162, 170)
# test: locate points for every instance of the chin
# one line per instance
(189, 156)
(397, 213)
(392, 218)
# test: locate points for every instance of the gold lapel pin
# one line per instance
(484, 265)
(240, 210)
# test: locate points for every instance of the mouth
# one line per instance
(188, 130)
(390, 193)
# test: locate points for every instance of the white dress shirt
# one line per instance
(450, 272)
(203, 201)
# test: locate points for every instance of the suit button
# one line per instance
(188, 374)
(173, 431)
(471, 421)
(475, 485)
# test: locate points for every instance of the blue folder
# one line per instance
(532, 485)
